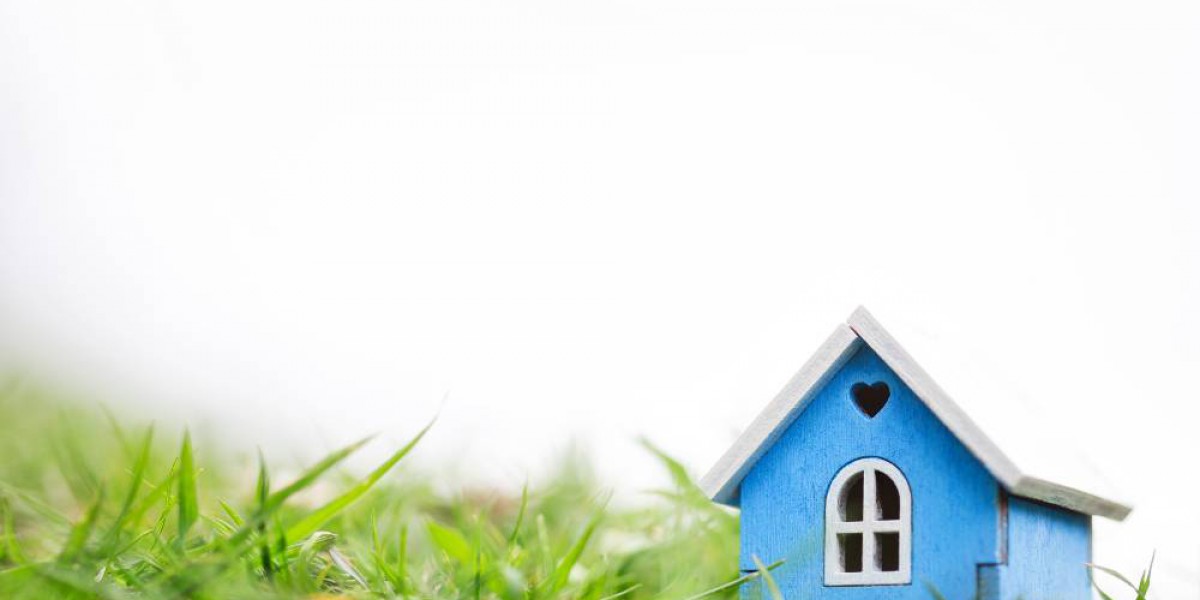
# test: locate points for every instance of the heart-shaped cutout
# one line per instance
(870, 399)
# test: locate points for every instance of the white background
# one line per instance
(299, 222)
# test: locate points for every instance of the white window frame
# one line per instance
(868, 527)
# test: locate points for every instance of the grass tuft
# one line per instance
(179, 523)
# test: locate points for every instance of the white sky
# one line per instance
(300, 222)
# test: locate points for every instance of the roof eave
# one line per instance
(722, 481)
(1035, 488)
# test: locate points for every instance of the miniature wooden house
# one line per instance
(871, 483)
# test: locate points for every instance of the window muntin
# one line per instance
(868, 526)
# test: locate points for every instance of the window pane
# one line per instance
(851, 501)
(887, 498)
(887, 551)
(850, 546)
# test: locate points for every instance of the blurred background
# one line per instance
(556, 223)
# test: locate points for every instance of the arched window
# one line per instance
(868, 525)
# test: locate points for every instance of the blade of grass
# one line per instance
(262, 485)
(679, 474)
(3, 531)
(450, 541)
(340, 561)
(563, 571)
(82, 531)
(1103, 594)
(402, 562)
(380, 559)
(12, 548)
(478, 560)
(262, 491)
(275, 500)
(934, 591)
(625, 592)
(118, 431)
(734, 583)
(28, 500)
(516, 530)
(281, 548)
(70, 584)
(1115, 574)
(135, 484)
(544, 547)
(234, 517)
(315, 519)
(772, 587)
(1144, 583)
(159, 493)
(72, 463)
(189, 508)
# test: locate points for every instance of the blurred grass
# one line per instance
(93, 506)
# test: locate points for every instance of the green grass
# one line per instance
(94, 507)
(1139, 589)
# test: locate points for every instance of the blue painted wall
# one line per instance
(955, 501)
(1047, 549)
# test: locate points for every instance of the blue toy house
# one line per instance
(871, 483)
